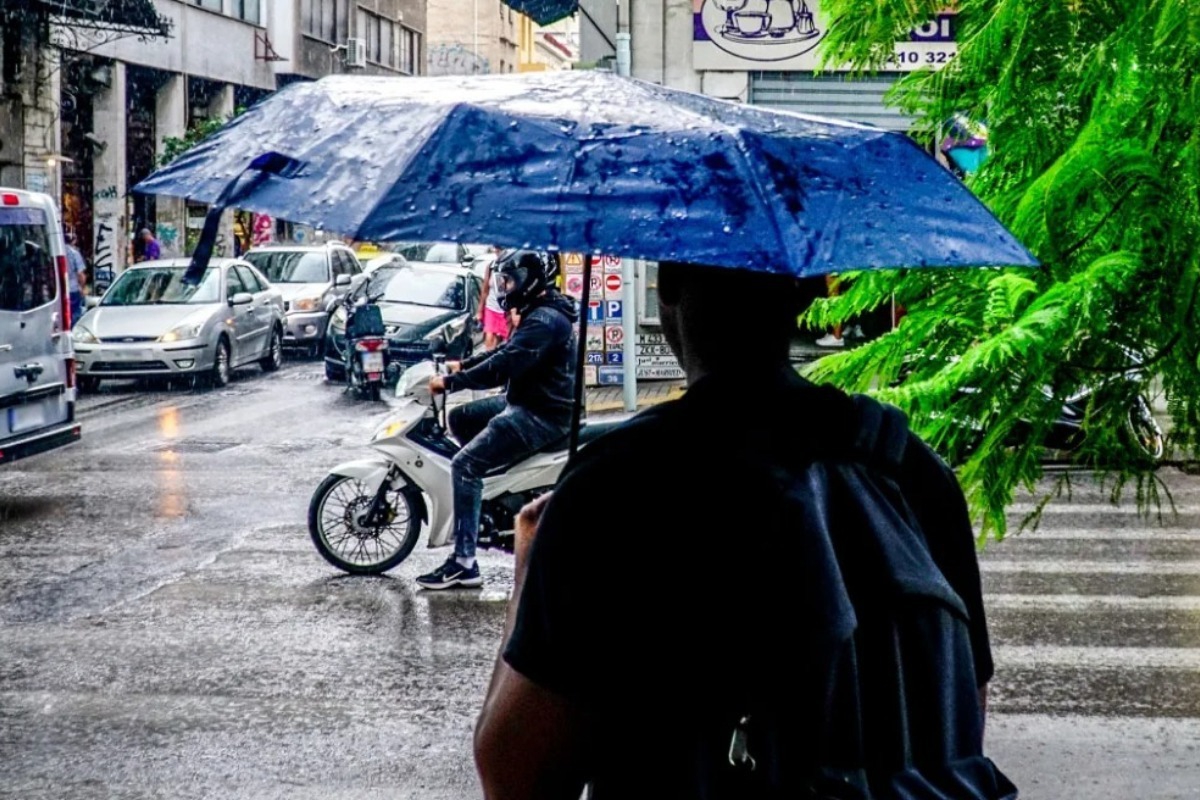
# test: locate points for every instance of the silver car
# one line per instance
(312, 279)
(150, 324)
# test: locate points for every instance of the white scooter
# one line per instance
(365, 517)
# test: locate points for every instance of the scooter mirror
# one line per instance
(438, 347)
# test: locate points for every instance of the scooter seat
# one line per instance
(588, 431)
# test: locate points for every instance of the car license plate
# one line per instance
(24, 417)
(372, 362)
(129, 354)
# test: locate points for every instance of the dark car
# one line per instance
(421, 304)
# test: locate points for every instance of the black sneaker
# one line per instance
(451, 574)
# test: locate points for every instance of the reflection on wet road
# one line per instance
(169, 631)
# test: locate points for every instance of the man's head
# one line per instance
(716, 318)
(522, 277)
(145, 235)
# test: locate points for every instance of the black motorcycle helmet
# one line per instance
(523, 276)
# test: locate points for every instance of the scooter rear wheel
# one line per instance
(336, 525)
(1143, 434)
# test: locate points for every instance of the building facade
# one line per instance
(548, 47)
(93, 95)
(472, 37)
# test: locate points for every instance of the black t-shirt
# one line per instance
(663, 583)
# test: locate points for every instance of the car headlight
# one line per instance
(82, 335)
(188, 330)
(338, 321)
(306, 304)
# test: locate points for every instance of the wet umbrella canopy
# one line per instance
(591, 162)
(588, 162)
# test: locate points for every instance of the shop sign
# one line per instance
(786, 35)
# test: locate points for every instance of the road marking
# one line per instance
(1012, 656)
(1183, 567)
(1089, 602)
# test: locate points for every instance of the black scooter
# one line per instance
(365, 355)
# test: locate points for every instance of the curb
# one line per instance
(619, 405)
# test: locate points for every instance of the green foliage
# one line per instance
(1093, 109)
(175, 146)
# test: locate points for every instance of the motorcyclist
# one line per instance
(536, 365)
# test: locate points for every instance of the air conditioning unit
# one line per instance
(356, 52)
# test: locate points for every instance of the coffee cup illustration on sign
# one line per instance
(767, 22)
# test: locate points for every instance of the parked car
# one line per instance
(421, 304)
(151, 324)
(443, 253)
(37, 369)
(312, 278)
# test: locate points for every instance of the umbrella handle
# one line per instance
(580, 357)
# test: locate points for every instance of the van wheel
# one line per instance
(218, 376)
(88, 384)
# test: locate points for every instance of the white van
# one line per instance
(37, 364)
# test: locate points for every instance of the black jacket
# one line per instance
(537, 363)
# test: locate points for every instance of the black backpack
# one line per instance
(902, 720)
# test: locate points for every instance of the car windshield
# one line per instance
(291, 266)
(162, 286)
(430, 252)
(418, 287)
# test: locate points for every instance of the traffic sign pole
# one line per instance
(629, 323)
(580, 355)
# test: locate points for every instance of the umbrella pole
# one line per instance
(581, 354)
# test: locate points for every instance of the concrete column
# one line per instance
(42, 131)
(170, 120)
(645, 19)
(221, 107)
(109, 109)
(679, 28)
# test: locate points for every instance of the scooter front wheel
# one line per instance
(1143, 433)
(344, 536)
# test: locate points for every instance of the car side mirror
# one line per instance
(241, 299)
(468, 259)
(341, 280)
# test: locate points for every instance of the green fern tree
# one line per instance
(1092, 110)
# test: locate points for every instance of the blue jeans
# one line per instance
(495, 435)
(76, 306)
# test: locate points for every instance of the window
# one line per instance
(387, 48)
(211, 5)
(649, 282)
(233, 284)
(328, 20)
(410, 51)
(247, 10)
(250, 280)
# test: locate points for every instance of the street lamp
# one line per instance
(53, 161)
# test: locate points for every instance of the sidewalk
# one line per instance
(611, 399)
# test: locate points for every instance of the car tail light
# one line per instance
(10, 199)
(70, 373)
(370, 345)
(64, 296)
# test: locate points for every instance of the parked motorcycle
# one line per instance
(364, 357)
(1139, 431)
(366, 516)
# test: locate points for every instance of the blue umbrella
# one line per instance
(591, 162)
(588, 162)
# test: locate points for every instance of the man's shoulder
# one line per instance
(654, 432)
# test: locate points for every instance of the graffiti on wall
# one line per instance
(107, 193)
(454, 59)
(102, 260)
(264, 229)
(167, 234)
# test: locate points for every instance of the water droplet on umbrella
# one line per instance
(727, 229)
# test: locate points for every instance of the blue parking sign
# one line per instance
(595, 312)
(615, 357)
(612, 310)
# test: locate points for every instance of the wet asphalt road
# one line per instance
(167, 630)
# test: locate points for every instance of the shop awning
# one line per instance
(137, 17)
(544, 12)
